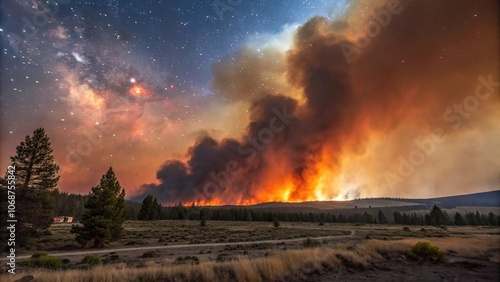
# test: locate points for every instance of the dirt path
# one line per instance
(101, 251)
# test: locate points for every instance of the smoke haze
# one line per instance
(384, 102)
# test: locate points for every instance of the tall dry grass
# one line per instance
(275, 267)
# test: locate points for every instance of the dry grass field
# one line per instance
(378, 252)
(169, 232)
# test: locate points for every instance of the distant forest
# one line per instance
(74, 205)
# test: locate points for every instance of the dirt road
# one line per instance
(102, 251)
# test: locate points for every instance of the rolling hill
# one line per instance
(483, 199)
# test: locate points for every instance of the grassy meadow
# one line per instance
(292, 258)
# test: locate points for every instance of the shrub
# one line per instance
(65, 261)
(321, 223)
(91, 260)
(424, 251)
(150, 254)
(45, 261)
(406, 228)
(276, 223)
(50, 262)
(39, 254)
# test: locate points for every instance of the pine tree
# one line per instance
(147, 205)
(437, 216)
(150, 209)
(381, 217)
(156, 212)
(398, 218)
(459, 219)
(492, 219)
(104, 214)
(35, 181)
(182, 212)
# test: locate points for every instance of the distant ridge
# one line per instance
(482, 199)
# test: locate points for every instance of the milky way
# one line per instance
(125, 83)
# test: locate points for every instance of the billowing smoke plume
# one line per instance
(398, 99)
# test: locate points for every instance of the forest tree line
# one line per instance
(73, 205)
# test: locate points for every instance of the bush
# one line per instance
(44, 261)
(50, 262)
(276, 223)
(65, 261)
(424, 251)
(406, 228)
(39, 254)
(150, 254)
(91, 260)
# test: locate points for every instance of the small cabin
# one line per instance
(63, 219)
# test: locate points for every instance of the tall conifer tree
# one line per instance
(104, 215)
(36, 182)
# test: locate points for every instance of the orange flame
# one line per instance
(320, 182)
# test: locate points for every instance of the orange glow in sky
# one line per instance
(138, 91)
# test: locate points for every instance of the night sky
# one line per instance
(131, 84)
